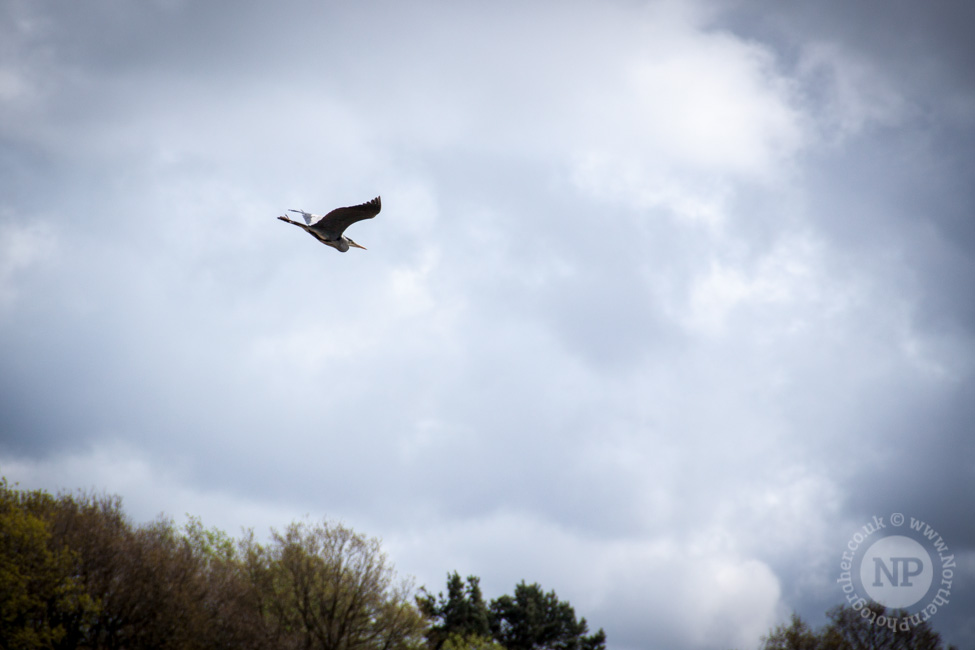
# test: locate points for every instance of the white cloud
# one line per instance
(790, 279)
(713, 103)
(682, 113)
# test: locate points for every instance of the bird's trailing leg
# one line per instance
(308, 216)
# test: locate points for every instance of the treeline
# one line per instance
(76, 573)
(871, 627)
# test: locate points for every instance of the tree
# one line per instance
(147, 582)
(529, 620)
(145, 586)
(461, 615)
(849, 629)
(471, 642)
(534, 620)
(855, 629)
(36, 586)
(227, 615)
(75, 573)
(795, 636)
(328, 587)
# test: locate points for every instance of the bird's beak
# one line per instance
(352, 243)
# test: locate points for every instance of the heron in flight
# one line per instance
(329, 229)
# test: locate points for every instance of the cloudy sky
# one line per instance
(665, 300)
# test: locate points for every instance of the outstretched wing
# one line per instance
(335, 222)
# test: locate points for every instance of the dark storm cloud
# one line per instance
(894, 200)
(914, 42)
(916, 201)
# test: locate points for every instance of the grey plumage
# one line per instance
(329, 229)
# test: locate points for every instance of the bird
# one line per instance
(329, 229)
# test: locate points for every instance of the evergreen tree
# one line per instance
(461, 614)
(534, 620)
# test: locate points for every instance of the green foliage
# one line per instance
(149, 587)
(462, 613)
(471, 642)
(534, 620)
(210, 544)
(529, 620)
(36, 586)
(75, 573)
